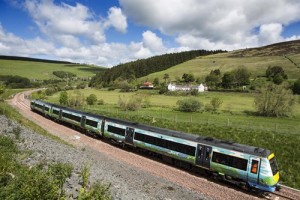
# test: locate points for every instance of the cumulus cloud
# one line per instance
(117, 19)
(215, 23)
(153, 42)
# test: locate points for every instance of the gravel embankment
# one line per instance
(127, 182)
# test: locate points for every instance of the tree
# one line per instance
(241, 76)
(189, 105)
(63, 98)
(166, 77)
(91, 99)
(216, 103)
(274, 100)
(276, 74)
(296, 87)
(214, 78)
(156, 82)
(188, 78)
(228, 80)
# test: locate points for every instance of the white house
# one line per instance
(199, 88)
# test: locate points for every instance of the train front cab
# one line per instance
(263, 173)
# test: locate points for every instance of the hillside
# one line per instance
(43, 69)
(256, 60)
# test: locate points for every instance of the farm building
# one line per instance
(199, 88)
(147, 85)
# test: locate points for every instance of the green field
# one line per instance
(42, 70)
(257, 66)
(231, 113)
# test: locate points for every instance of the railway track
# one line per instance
(192, 182)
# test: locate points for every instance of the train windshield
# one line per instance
(274, 165)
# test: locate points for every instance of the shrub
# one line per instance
(91, 99)
(100, 102)
(216, 103)
(189, 105)
(50, 91)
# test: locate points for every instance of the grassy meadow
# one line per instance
(43, 71)
(233, 111)
(257, 66)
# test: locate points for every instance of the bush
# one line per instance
(91, 99)
(50, 91)
(189, 105)
(216, 103)
(100, 102)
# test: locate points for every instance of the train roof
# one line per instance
(198, 139)
(177, 134)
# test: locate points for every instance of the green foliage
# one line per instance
(60, 172)
(76, 99)
(143, 67)
(216, 103)
(189, 105)
(214, 78)
(100, 102)
(64, 98)
(40, 94)
(187, 78)
(2, 91)
(241, 76)
(85, 173)
(166, 77)
(228, 80)
(296, 87)
(17, 132)
(276, 74)
(63, 74)
(81, 85)
(50, 91)
(91, 99)
(15, 81)
(98, 191)
(133, 103)
(156, 81)
(274, 100)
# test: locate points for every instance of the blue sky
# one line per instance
(109, 32)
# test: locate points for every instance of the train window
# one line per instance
(72, 117)
(185, 149)
(207, 153)
(200, 152)
(47, 109)
(56, 112)
(254, 166)
(230, 161)
(91, 123)
(116, 130)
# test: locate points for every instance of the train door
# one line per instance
(129, 135)
(203, 156)
(253, 170)
(83, 119)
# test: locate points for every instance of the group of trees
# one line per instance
(15, 81)
(143, 67)
(77, 99)
(234, 78)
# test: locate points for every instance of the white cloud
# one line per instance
(117, 19)
(215, 23)
(153, 42)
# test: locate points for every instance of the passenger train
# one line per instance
(247, 166)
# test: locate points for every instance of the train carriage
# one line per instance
(240, 164)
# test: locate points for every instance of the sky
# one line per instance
(110, 32)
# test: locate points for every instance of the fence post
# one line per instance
(191, 119)
(227, 121)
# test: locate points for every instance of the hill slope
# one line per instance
(256, 60)
(43, 69)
